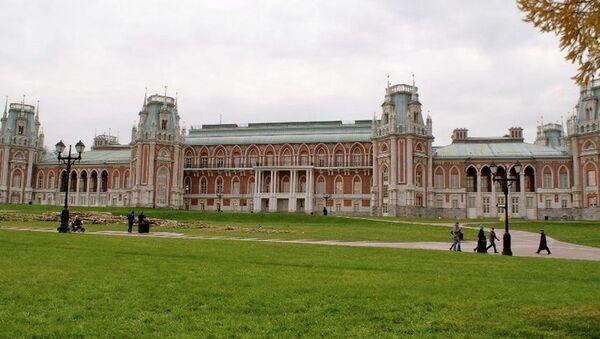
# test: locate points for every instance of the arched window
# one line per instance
(590, 175)
(50, 184)
(251, 185)
(73, 184)
(83, 181)
(547, 177)
(40, 180)
(356, 158)
(563, 178)
(285, 184)
(188, 185)
(94, 182)
(356, 185)
(161, 186)
(252, 157)
(438, 180)
(189, 159)
(339, 185)
(203, 186)
(220, 159)
(322, 157)
(104, 181)
(235, 185)
(471, 179)
(64, 181)
(320, 185)
(454, 178)
(339, 159)
(219, 185)
(17, 179)
(236, 159)
(486, 179)
(126, 180)
(302, 186)
(115, 180)
(286, 158)
(419, 176)
(529, 177)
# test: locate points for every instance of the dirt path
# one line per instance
(524, 244)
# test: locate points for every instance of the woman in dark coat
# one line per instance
(543, 243)
(481, 241)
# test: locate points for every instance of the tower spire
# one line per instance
(414, 96)
(145, 98)
(37, 111)
(5, 107)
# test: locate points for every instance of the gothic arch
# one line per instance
(83, 181)
(286, 151)
(162, 186)
(233, 189)
(338, 185)
(589, 145)
(437, 174)
(187, 184)
(454, 176)
(16, 178)
(116, 179)
(219, 185)
(50, 181)
(419, 176)
(356, 184)
(547, 173)
(203, 184)
(40, 180)
(321, 187)
(564, 169)
(236, 156)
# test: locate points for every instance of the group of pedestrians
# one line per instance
(143, 223)
(482, 240)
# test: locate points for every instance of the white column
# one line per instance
(309, 191)
(375, 188)
(409, 161)
(478, 204)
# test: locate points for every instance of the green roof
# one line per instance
(95, 157)
(281, 133)
(490, 150)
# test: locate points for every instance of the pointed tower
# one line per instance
(156, 154)
(402, 152)
(584, 132)
(21, 146)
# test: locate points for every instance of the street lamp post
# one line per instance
(67, 160)
(506, 182)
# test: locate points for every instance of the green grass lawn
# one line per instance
(302, 226)
(73, 285)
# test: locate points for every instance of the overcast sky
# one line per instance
(477, 65)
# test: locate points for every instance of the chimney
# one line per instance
(459, 134)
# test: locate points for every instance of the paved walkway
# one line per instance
(524, 244)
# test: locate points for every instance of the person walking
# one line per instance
(456, 237)
(543, 243)
(481, 241)
(130, 221)
(493, 239)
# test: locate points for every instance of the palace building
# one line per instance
(385, 166)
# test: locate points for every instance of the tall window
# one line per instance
(17, 179)
(591, 178)
(439, 178)
(339, 186)
(50, 183)
(236, 160)
(285, 181)
(419, 177)
(115, 181)
(304, 159)
(220, 161)
(356, 186)
(563, 179)
(547, 178)
(269, 159)
(219, 185)
(500, 200)
(514, 205)
(385, 174)
(486, 204)
(454, 179)
(161, 182)
(320, 185)
(339, 160)
(203, 186)
(356, 159)
(302, 185)
(188, 160)
(251, 186)
(321, 160)
(235, 187)
(204, 162)
(40, 181)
